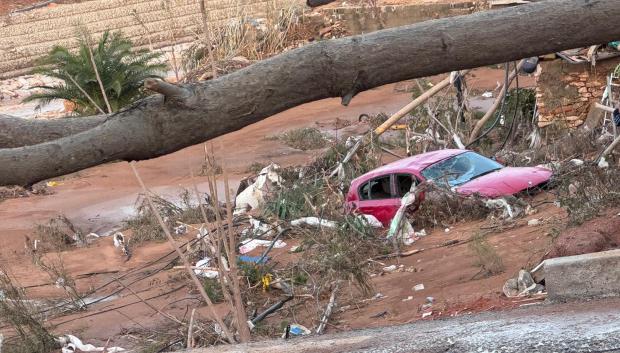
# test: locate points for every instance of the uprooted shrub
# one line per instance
(58, 234)
(18, 312)
(341, 253)
(145, 226)
(442, 208)
(583, 191)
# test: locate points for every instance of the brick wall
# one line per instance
(565, 91)
(27, 36)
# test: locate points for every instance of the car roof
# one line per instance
(415, 163)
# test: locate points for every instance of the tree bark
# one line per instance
(343, 67)
(18, 132)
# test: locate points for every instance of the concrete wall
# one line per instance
(27, 36)
(595, 275)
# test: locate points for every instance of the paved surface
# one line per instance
(566, 328)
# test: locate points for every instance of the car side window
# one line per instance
(376, 189)
(404, 183)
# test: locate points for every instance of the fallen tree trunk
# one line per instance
(192, 114)
(18, 132)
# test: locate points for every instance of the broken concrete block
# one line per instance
(524, 281)
(511, 288)
(579, 277)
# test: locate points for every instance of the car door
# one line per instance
(403, 183)
(378, 198)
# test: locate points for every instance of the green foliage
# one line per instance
(213, 288)
(290, 202)
(307, 138)
(254, 273)
(122, 73)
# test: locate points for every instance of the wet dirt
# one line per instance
(98, 199)
(599, 234)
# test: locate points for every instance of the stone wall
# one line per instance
(565, 91)
(25, 37)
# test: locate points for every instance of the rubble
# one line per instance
(71, 344)
(523, 285)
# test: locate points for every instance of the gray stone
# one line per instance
(524, 281)
(511, 288)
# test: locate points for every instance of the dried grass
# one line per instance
(488, 259)
(30, 333)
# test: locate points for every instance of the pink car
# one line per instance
(379, 192)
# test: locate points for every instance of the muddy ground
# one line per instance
(98, 199)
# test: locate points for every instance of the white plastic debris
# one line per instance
(71, 344)
(427, 314)
(408, 298)
(251, 244)
(254, 194)
(499, 204)
(92, 235)
(447, 230)
(299, 330)
(418, 287)
(390, 268)
(488, 94)
(420, 234)
(577, 162)
(119, 240)
(372, 220)
(202, 269)
(533, 222)
(180, 230)
(400, 226)
(259, 229)
(202, 232)
(314, 222)
(603, 164)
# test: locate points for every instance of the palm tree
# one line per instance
(111, 67)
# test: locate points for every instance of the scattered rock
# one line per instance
(390, 268)
(511, 288)
(524, 281)
(533, 222)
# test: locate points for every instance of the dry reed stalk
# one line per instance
(92, 61)
(90, 99)
(183, 258)
(209, 40)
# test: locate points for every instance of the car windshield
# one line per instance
(460, 169)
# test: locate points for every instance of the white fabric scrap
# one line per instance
(71, 344)
(251, 244)
(202, 269)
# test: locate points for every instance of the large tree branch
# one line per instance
(18, 132)
(335, 68)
